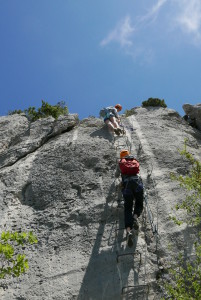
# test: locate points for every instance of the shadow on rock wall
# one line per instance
(104, 278)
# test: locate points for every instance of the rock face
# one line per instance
(194, 112)
(57, 179)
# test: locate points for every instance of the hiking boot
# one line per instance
(116, 130)
(120, 130)
(129, 238)
(135, 224)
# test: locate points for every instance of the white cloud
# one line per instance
(122, 34)
(189, 17)
(153, 12)
(161, 21)
(125, 33)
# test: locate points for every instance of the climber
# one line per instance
(111, 118)
(132, 188)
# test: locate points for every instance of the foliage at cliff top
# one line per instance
(13, 261)
(154, 102)
(129, 112)
(44, 111)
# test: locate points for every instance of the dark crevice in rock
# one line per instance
(43, 141)
(78, 189)
(27, 194)
(29, 198)
(50, 135)
(17, 139)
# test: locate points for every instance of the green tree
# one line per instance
(154, 102)
(185, 273)
(44, 111)
(16, 111)
(13, 261)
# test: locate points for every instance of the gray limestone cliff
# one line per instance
(57, 178)
(194, 113)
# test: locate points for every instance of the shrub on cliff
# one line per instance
(44, 111)
(192, 184)
(154, 102)
(185, 272)
(13, 261)
(129, 112)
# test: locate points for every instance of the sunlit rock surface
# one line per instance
(57, 178)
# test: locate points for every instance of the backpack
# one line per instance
(103, 112)
(129, 166)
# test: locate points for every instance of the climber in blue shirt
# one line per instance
(111, 117)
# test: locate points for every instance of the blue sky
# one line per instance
(92, 54)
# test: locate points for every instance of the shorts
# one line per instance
(108, 115)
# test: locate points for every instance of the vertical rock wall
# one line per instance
(57, 179)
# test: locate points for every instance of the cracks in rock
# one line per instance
(15, 140)
(42, 142)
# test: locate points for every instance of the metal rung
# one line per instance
(120, 205)
(117, 229)
(140, 286)
(130, 253)
(119, 136)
